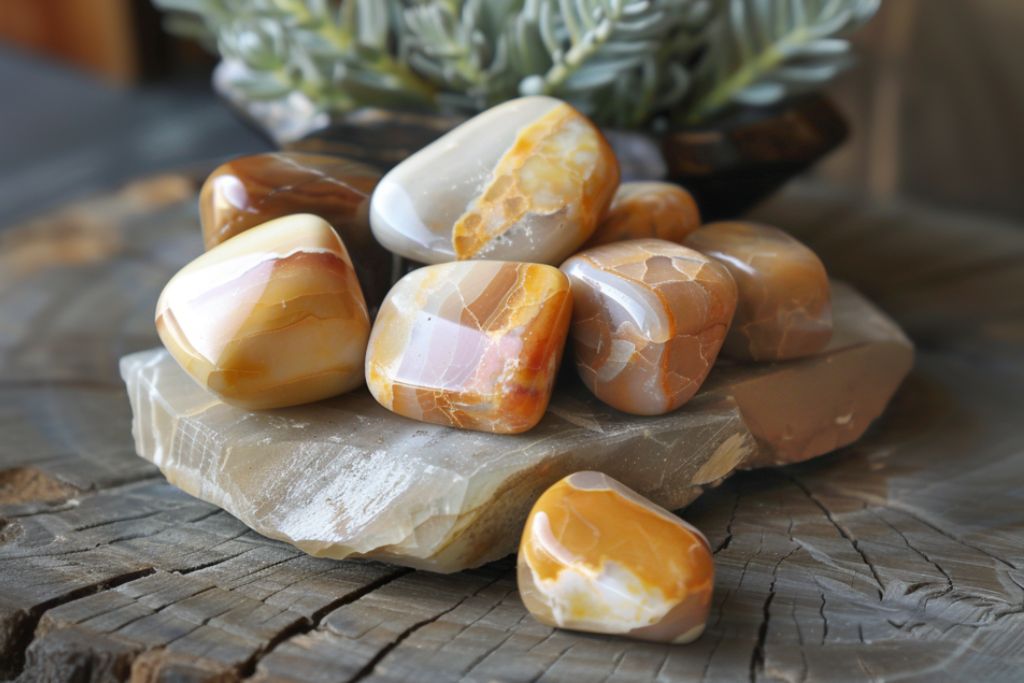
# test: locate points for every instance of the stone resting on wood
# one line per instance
(345, 476)
(898, 558)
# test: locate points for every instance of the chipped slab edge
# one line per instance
(481, 533)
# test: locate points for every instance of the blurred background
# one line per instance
(95, 93)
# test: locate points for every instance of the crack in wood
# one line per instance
(492, 648)
(757, 655)
(949, 580)
(843, 531)
(15, 648)
(129, 518)
(248, 668)
(824, 619)
(369, 667)
(724, 545)
(212, 563)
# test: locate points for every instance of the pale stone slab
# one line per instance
(346, 477)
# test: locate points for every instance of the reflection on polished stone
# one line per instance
(272, 318)
(252, 190)
(664, 211)
(347, 477)
(596, 556)
(649, 318)
(474, 345)
(784, 308)
(527, 180)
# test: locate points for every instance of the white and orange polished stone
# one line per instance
(596, 556)
(649, 318)
(527, 180)
(648, 208)
(272, 317)
(473, 344)
(784, 308)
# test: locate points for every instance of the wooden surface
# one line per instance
(901, 558)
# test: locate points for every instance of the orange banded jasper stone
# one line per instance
(273, 317)
(527, 180)
(784, 308)
(648, 321)
(474, 345)
(596, 556)
(648, 208)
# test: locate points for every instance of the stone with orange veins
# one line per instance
(784, 308)
(648, 321)
(251, 190)
(649, 208)
(272, 318)
(596, 556)
(527, 180)
(474, 345)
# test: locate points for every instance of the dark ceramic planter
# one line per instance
(729, 166)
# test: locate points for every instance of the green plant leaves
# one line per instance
(623, 62)
(760, 51)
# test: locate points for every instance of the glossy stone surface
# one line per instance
(347, 477)
(643, 209)
(649, 318)
(596, 556)
(251, 190)
(272, 318)
(784, 308)
(473, 345)
(526, 180)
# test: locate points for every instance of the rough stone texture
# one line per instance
(347, 476)
(897, 559)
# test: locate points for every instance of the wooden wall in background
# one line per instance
(936, 105)
(101, 36)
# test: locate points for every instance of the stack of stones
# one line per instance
(527, 240)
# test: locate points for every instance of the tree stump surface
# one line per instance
(899, 558)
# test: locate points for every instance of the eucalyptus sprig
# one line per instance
(623, 62)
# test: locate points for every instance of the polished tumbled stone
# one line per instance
(346, 476)
(527, 180)
(784, 308)
(649, 208)
(251, 190)
(474, 345)
(649, 318)
(274, 317)
(596, 556)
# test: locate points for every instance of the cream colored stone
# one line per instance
(273, 317)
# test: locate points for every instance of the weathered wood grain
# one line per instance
(899, 558)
